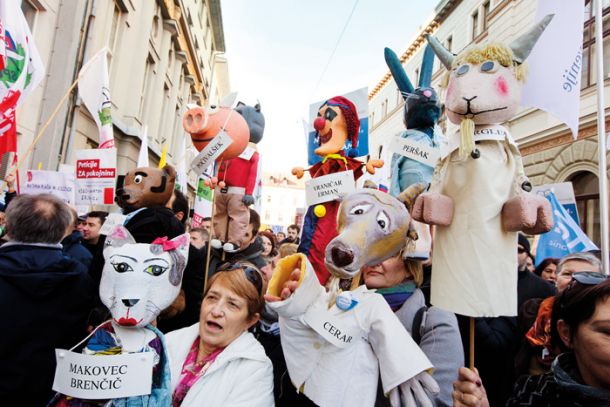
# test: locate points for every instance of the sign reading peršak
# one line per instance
(92, 377)
(95, 176)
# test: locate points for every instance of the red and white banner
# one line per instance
(95, 176)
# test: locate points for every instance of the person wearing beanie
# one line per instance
(336, 123)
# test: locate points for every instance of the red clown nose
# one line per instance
(319, 123)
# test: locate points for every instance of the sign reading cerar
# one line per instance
(329, 187)
(99, 378)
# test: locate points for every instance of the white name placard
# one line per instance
(415, 150)
(103, 377)
(211, 152)
(332, 328)
(329, 187)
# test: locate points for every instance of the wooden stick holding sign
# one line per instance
(471, 349)
(209, 251)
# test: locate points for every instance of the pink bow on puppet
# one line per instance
(168, 245)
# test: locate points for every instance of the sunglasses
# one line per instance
(252, 274)
(589, 277)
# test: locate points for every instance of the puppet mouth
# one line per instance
(202, 140)
(341, 272)
(325, 138)
(469, 114)
(128, 321)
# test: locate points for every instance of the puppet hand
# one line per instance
(433, 208)
(468, 389)
(289, 285)
(10, 181)
(247, 200)
(413, 392)
(211, 183)
(298, 172)
(529, 213)
(372, 164)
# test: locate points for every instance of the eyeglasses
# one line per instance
(252, 274)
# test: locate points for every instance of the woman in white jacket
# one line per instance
(217, 362)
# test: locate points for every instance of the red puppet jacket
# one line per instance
(240, 173)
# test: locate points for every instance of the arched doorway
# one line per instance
(586, 190)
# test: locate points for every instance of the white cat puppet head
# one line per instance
(141, 280)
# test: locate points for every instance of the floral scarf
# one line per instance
(539, 335)
(192, 371)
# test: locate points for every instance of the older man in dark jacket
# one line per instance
(44, 298)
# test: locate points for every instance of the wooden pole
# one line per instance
(21, 160)
(207, 258)
(471, 351)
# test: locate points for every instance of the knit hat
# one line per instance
(351, 119)
(524, 242)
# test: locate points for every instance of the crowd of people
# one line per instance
(223, 339)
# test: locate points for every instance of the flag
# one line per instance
(181, 178)
(2, 36)
(94, 89)
(143, 155)
(566, 236)
(203, 203)
(553, 82)
(22, 72)
(163, 159)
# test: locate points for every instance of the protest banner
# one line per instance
(60, 184)
(564, 192)
(95, 176)
(203, 203)
(91, 377)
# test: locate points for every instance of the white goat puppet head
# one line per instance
(485, 81)
(373, 226)
(140, 280)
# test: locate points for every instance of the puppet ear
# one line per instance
(118, 237)
(169, 171)
(412, 232)
(181, 244)
(427, 63)
(408, 196)
(523, 45)
(443, 54)
(398, 72)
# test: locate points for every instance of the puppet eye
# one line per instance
(212, 109)
(383, 221)
(489, 67)
(360, 209)
(330, 114)
(155, 270)
(137, 179)
(122, 267)
(462, 70)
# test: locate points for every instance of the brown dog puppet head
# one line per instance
(146, 187)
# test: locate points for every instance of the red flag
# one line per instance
(8, 124)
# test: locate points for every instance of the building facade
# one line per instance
(282, 201)
(550, 154)
(162, 56)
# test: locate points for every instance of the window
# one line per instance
(449, 43)
(486, 7)
(149, 73)
(588, 66)
(384, 108)
(416, 83)
(29, 12)
(475, 24)
(114, 35)
(586, 190)
(372, 119)
(162, 133)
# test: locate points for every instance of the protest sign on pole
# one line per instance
(94, 89)
(203, 203)
(564, 192)
(60, 184)
(95, 176)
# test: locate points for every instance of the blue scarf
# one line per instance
(397, 295)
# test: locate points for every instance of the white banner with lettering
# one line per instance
(95, 176)
(211, 152)
(329, 187)
(93, 377)
(415, 150)
(60, 184)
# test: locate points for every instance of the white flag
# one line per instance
(2, 36)
(181, 178)
(143, 156)
(203, 202)
(553, 82)
(94, 89)
(24, 69)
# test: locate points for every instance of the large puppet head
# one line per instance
(141, 280)
(146, 187)
(421, 104)
(485, 81)
(255, 120)
(373, 226)
(336, 122)
(205, 124)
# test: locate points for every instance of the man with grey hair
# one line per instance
(44, 298)
(575, 263)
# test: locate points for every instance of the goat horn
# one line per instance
(445, 56)
(523, 45)
(408, 196)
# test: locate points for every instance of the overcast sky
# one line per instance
(277, 51)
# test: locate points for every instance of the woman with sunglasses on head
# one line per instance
(217, 362)
(536, 352)
(580, 375)
(436, 331)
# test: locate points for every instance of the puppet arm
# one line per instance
(299, 171)
(403, 367)
(372, 164)
(293, 287)
(252, 174)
